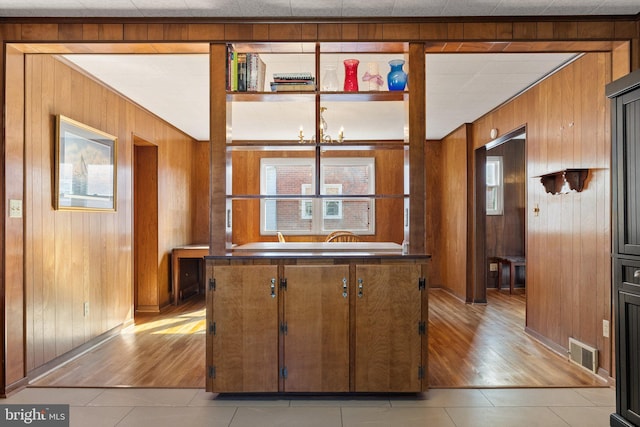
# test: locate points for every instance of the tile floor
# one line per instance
(582, 407)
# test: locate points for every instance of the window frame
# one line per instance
(496, 183)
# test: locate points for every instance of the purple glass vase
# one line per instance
(351, 75)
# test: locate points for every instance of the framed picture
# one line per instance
(85, 167)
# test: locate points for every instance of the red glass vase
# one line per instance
(351, 75)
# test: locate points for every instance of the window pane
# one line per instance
(285, 215)
(353, 215)
(287, 179)
(350, 176)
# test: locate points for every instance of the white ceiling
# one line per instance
(314, 8)
(460, 87)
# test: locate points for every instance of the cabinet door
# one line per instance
(627, 167)
(244, 351)
(388, 333)
(316, 315)
(628, 338)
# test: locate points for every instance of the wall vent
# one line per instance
(583, 355)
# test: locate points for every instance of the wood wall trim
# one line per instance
(458, 29)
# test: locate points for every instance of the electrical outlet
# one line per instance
(493, 266)
(605, 328)
(86, 308)
(15, 208)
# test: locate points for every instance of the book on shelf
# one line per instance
(242, 72)
(246, 72)
(292, 82)
(292, 77)
(232, 70)
(292, 87)
(256, 72)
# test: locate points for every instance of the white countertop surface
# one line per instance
(373, 247)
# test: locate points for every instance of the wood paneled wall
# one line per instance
(76, 257)
(569, 242)
(505, 233)
(200, 195)
(450, 255)
(13, 231)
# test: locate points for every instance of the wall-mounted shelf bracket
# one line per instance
(564, 181)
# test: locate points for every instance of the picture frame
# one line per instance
(85, 167)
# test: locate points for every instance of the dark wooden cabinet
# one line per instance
(627, 276)
(626, 171)
(625, 109)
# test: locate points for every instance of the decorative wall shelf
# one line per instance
(564, 181)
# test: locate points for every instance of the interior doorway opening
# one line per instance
(505, 227)
(145, 228)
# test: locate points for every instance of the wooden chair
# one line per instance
(342, 236)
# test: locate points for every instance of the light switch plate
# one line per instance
(605, 328)
(15, 208)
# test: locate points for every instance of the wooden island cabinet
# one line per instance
(317, 323)
(287, 311)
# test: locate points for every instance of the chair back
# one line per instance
(342, 236)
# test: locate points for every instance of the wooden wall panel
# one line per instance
(200, 191)
(77, 257)
(434, 169)
(568, 246)
(12, 188)
(452, 254)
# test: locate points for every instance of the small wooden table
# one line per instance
(178, 253)
(512, 262)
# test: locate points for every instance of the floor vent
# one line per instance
(583, 355)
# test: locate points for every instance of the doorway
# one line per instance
(145, 226)
(505, 227)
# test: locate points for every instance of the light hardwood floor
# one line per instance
(469, 346)
(486, 346)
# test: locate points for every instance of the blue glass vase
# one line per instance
(397, 78)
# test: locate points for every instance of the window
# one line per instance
(345, 201)
(332, 209)
(495, 192)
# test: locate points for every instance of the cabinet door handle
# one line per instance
(344, 287)
(273, 288)
(360, 288)
(636, 274)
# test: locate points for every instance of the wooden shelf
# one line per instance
(296, 96)
(364, 96)
(563, 181)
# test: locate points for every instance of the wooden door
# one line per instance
(244, 316)
(627, 152)
(388, 329)
(316, 341)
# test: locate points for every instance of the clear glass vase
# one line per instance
(329, 81)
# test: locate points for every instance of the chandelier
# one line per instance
(324, 136)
